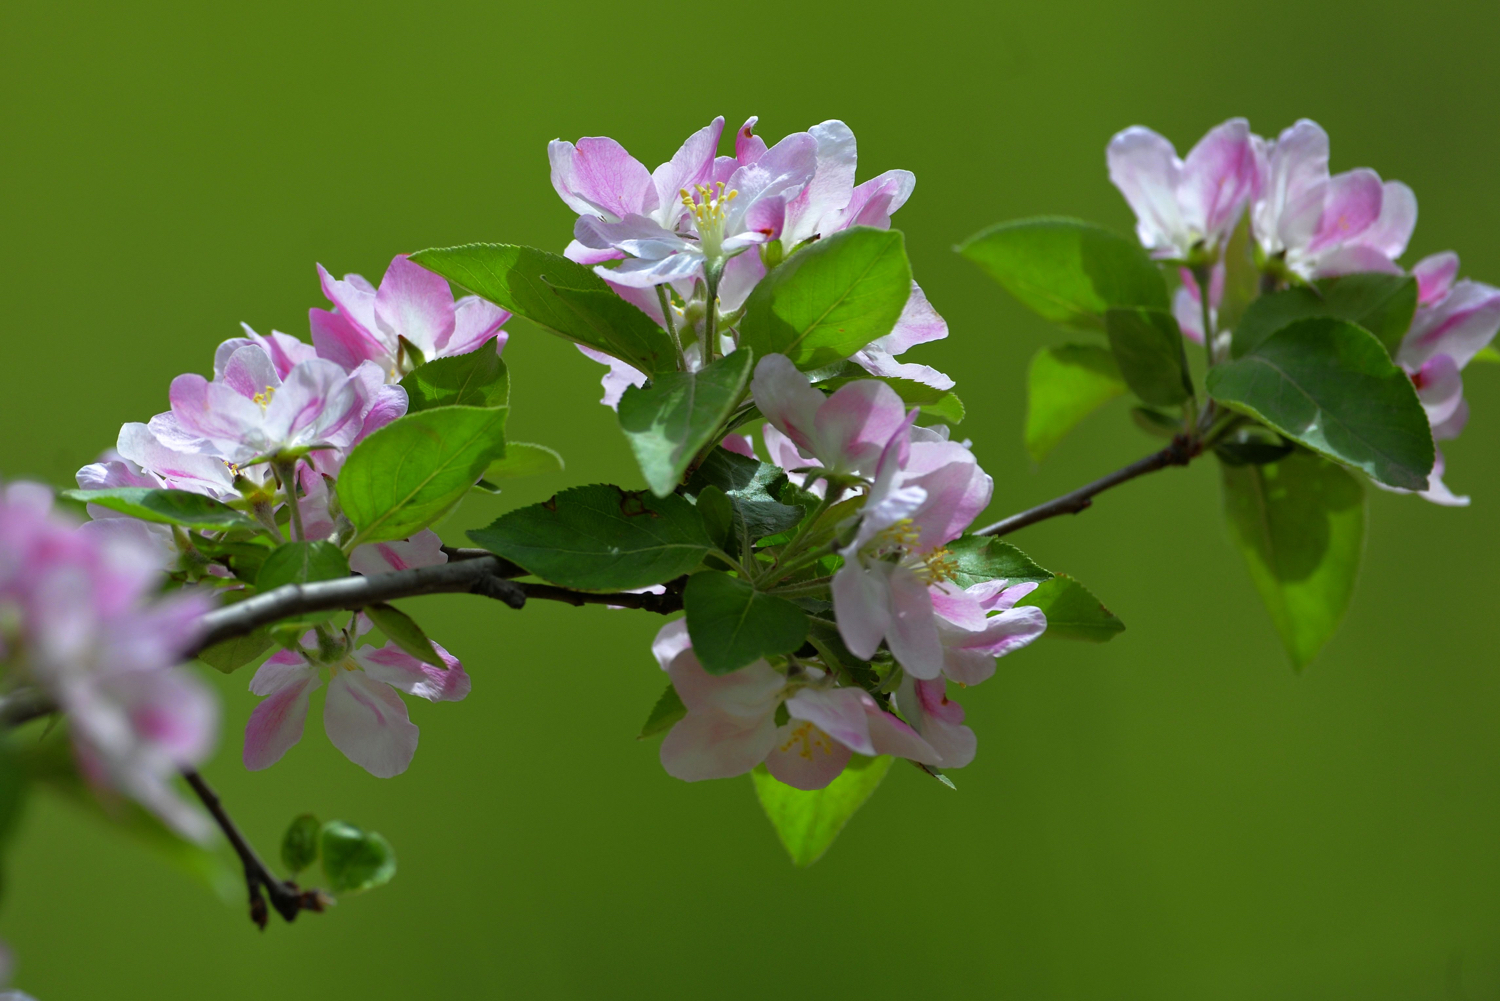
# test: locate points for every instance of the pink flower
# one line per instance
(249, 412)
(1184, 206)
(412, 305)
(425, 549)
(981, 623)
(362, 714)
(926, 492)
(1187, 302)
(843, 434)
(731, 726)
(1453, 322)
(938, 719)
(85, 629)
(1326, 225)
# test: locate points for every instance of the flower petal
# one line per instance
(416, 304)
(805, 757)
(367, 720)
(714, 745)
(403, 672)
(276, 724)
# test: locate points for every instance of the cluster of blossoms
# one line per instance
(688, 242)
(1306, 224)
(82, 621)
(269, 434)
(916, 491)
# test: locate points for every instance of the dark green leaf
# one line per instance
(355, 860)
(752, 487)
(231, 655)
(807, 822)
(476, 379)
(1155, 422)
(165, 507)
(733, 624)
(1147, 345)
(1382, 304)
(829, 299)
(600, 538)
(300, 563)
(1073, 613)
(718, 517)
(1068, 271)
(411, 472)
(1300, 524)
(1331, 386)
(403, 630)
(1065, 385)
(980, 558)
(671, 420)
(555, 293)
(299, 845)
(524, 459)
(665, 714)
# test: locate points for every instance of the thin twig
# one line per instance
(662, 604)
(287, 897)
(1182, 451)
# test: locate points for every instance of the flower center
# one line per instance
(807, 738)
(710, 211)
(264, 399)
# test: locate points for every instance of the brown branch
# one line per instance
(662, 604)
(1181, 452)
(286, 896)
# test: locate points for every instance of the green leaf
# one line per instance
(299, 845)
(165, 507)
(1241, 276)
(949, 409)
(718, 517)
(752, 487)
(1147, 345)
(733, 624)
(1331, 386)
(1380, 303)
(1300, 524)
(665, 714)
(1073, 613)
(1065, 385)
(555, 293)
(402, 630)
(14, 786)
(301, 562)
(355, 860)
(1487, 354)
(669, 421)
(807, 822)
(233, 654)
(1155, 422)
(411, 472)
(600, 538)
(476, 379)
(980, 558)
(829, 299)
(524, 459)
(1067, 270)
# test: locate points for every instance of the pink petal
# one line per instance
(1439, 387)
(597, 177)
(338, 340)
(367, 720)
(748, 147)
(475, 322)
(416, 304)
(355, 299)
(1351, 206)
(861, 604)
(890, 735)
(1435, 275)
(690, 166)
(750, 692)
(838, 712)
(912, 634)
(403, 672)
(853, 426)
(828, 193)
(276, 724)
(1392, 229)
(425, 549)
(283, 349)
(787, 399)
(203, 474)
(804, 757)
(875, 201)
(1459, 325)
(1217, 178)
(713, 745)
(671, 639)
(1293, 188)
(1144, 166)
(620, 376)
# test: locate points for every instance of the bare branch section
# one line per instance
(287, 897)
(1181, 452)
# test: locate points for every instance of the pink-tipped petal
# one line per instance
(912, 634)
(1435, 275)
(277, 723)
(804, 757)
(425, 549)
(598, 177)
(367, 720)
(787, 399)
(1144, 166)
(403, 672)
(838, 712)
(416, 304)
(1351, 206)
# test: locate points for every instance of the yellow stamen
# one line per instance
(264, 399)
(811, 738)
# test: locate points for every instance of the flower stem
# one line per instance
(286, 472)
(666, 316)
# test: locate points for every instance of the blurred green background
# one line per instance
(1172, 816)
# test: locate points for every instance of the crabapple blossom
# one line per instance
(411, 318)
(82, 626)
(843, 434)
(1321, 225)
(926, 492)
(980, 623)
(730, 726)
(1184, 209)
(1453, 322)
(363, 715)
